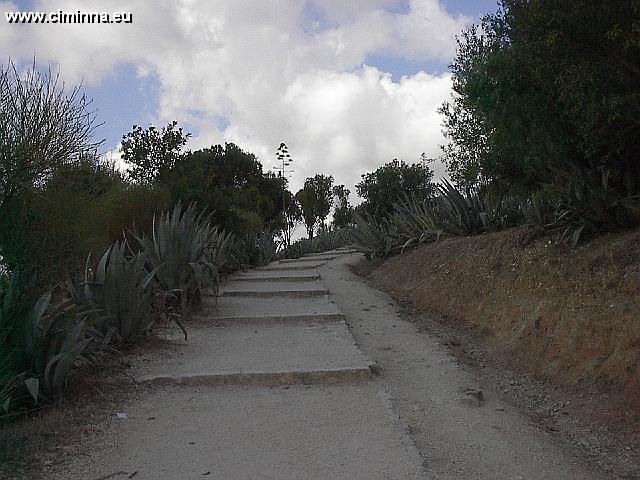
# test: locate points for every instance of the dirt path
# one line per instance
(272, 385)
(461, 428)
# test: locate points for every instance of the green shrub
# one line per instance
(67, 218)
(133, 208)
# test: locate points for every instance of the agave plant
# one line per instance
(176, 255)
(221, 250)
(40, 344)
(329, 240)
(297, 249)
(413, 222)
(17, 313)
(11, 316)
(10, 384)
(260, 249)
(589, 202)
(117, 299)
(55, 341)
(370, 237)
(324, 241)
(459, 213)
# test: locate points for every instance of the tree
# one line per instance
(152, 153)
(322, 187)
(544, 89)
(306, 199)
(316, 200)
(291, 217)
(387, 184)
(343, 213)
(42, 127)
(230, 183)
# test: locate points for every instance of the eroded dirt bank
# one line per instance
(569, 318)
(572, 315)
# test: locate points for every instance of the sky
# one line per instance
(348, 85)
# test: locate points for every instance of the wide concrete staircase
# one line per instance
(277, 326)
(270, 385)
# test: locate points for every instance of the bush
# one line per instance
(42, 129)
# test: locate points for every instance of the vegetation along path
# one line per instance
(272, 385)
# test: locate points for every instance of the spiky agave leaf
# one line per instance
(56, 341)
(459, 213)
(14, 311)
(176, 254)
(370, 238)
(413, 222)
(267, 247)
(259, 248)
(10, 383)
(117, 299)
(218, 250)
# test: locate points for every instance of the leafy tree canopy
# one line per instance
(151, 153)
(545, 88)
(316, 200)
(343, 213)
(229, 182)
(386, 185)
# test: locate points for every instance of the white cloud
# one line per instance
(114, 156)
(417, 35)
(276, 70)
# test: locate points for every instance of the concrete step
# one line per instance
(273, 293)
(330, 253)
(270, 277)
(307, 259)
(302, 318)
(275, 288)
(266, 355)
(296, 266)
(257, 306)
(312, 433)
